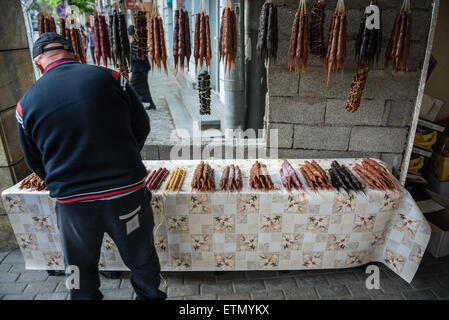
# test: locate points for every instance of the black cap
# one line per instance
(131, 30)
(46, 39)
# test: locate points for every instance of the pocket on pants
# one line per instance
(132, 220)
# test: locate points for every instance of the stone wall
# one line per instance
(311, 117)
(16, 77)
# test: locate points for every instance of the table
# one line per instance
(250, 230)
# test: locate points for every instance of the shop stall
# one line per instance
(229, 215)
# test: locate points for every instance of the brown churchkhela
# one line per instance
(231, 179)
(375, 175)
(140, 35)
(298, 50)
(336, 43)
(156, 42)
(202, 44)
(203, 178)
(398, 49)
(45, 23)
(33, 182)
(260, 178)
(315, 176)
(228, 38)
(181, 39)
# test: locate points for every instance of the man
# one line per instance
(92, 44)
(82, 128)
(139, 76)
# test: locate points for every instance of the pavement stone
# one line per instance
(260, 274)
(126, 284)
(18, 268)
(420, 295)
(302, 293)
(6, 277)
(12, 288)
(19, 297)
(355, 298)
(51, 296)
(61, 287)
(109, 284)
(33, 276)
(249, 285)
(14, 257)
(268, 295)
(217, 288)
(40, 287)
(55, 278)
(239, 296)
(394, 285)
(4, 267)
(231, 275)
(3, 254)
(118, 294)
(332, 292)
(388, 296)
(312, 280)
(424, 282)
(442, 293)
(281, 283)
(199, 277)
(341, 278)
(203, 297)
(185, 290)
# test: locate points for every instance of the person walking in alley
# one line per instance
(92, 44)
(139, 74)
(82, 128)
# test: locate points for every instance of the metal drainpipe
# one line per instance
(234, 82)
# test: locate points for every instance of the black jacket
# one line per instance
(139, 65)
(82, 128)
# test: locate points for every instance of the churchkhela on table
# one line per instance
(203, 178)
(289, 178)
(260, 178)
(231, 179)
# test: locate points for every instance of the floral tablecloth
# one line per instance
(250, 230)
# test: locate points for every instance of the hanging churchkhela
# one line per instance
(182, 48)
(228, 37)
(316, 41)
(45, 22)
(367, 52)
(398, 49)
(336, 42)
(101, 39)
(204, 91)
(156, 42)
(140, 46)
(73, 35)
(298, 51)
(267, 38)
(202, 50)
(119, 45)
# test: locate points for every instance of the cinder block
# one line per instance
(282, 82)
(378, 139)
(299, 111)
(285, 134)
(369, 113)
(150, 152)
(8, 127)
(399, 112)
(14, 34)
(321, 138)
(323, 154)
(17, 74)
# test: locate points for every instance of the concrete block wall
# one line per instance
(311, 117)
(16, 76)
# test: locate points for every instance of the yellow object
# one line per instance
(441, 165)
(426, 141)
(416, 164)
